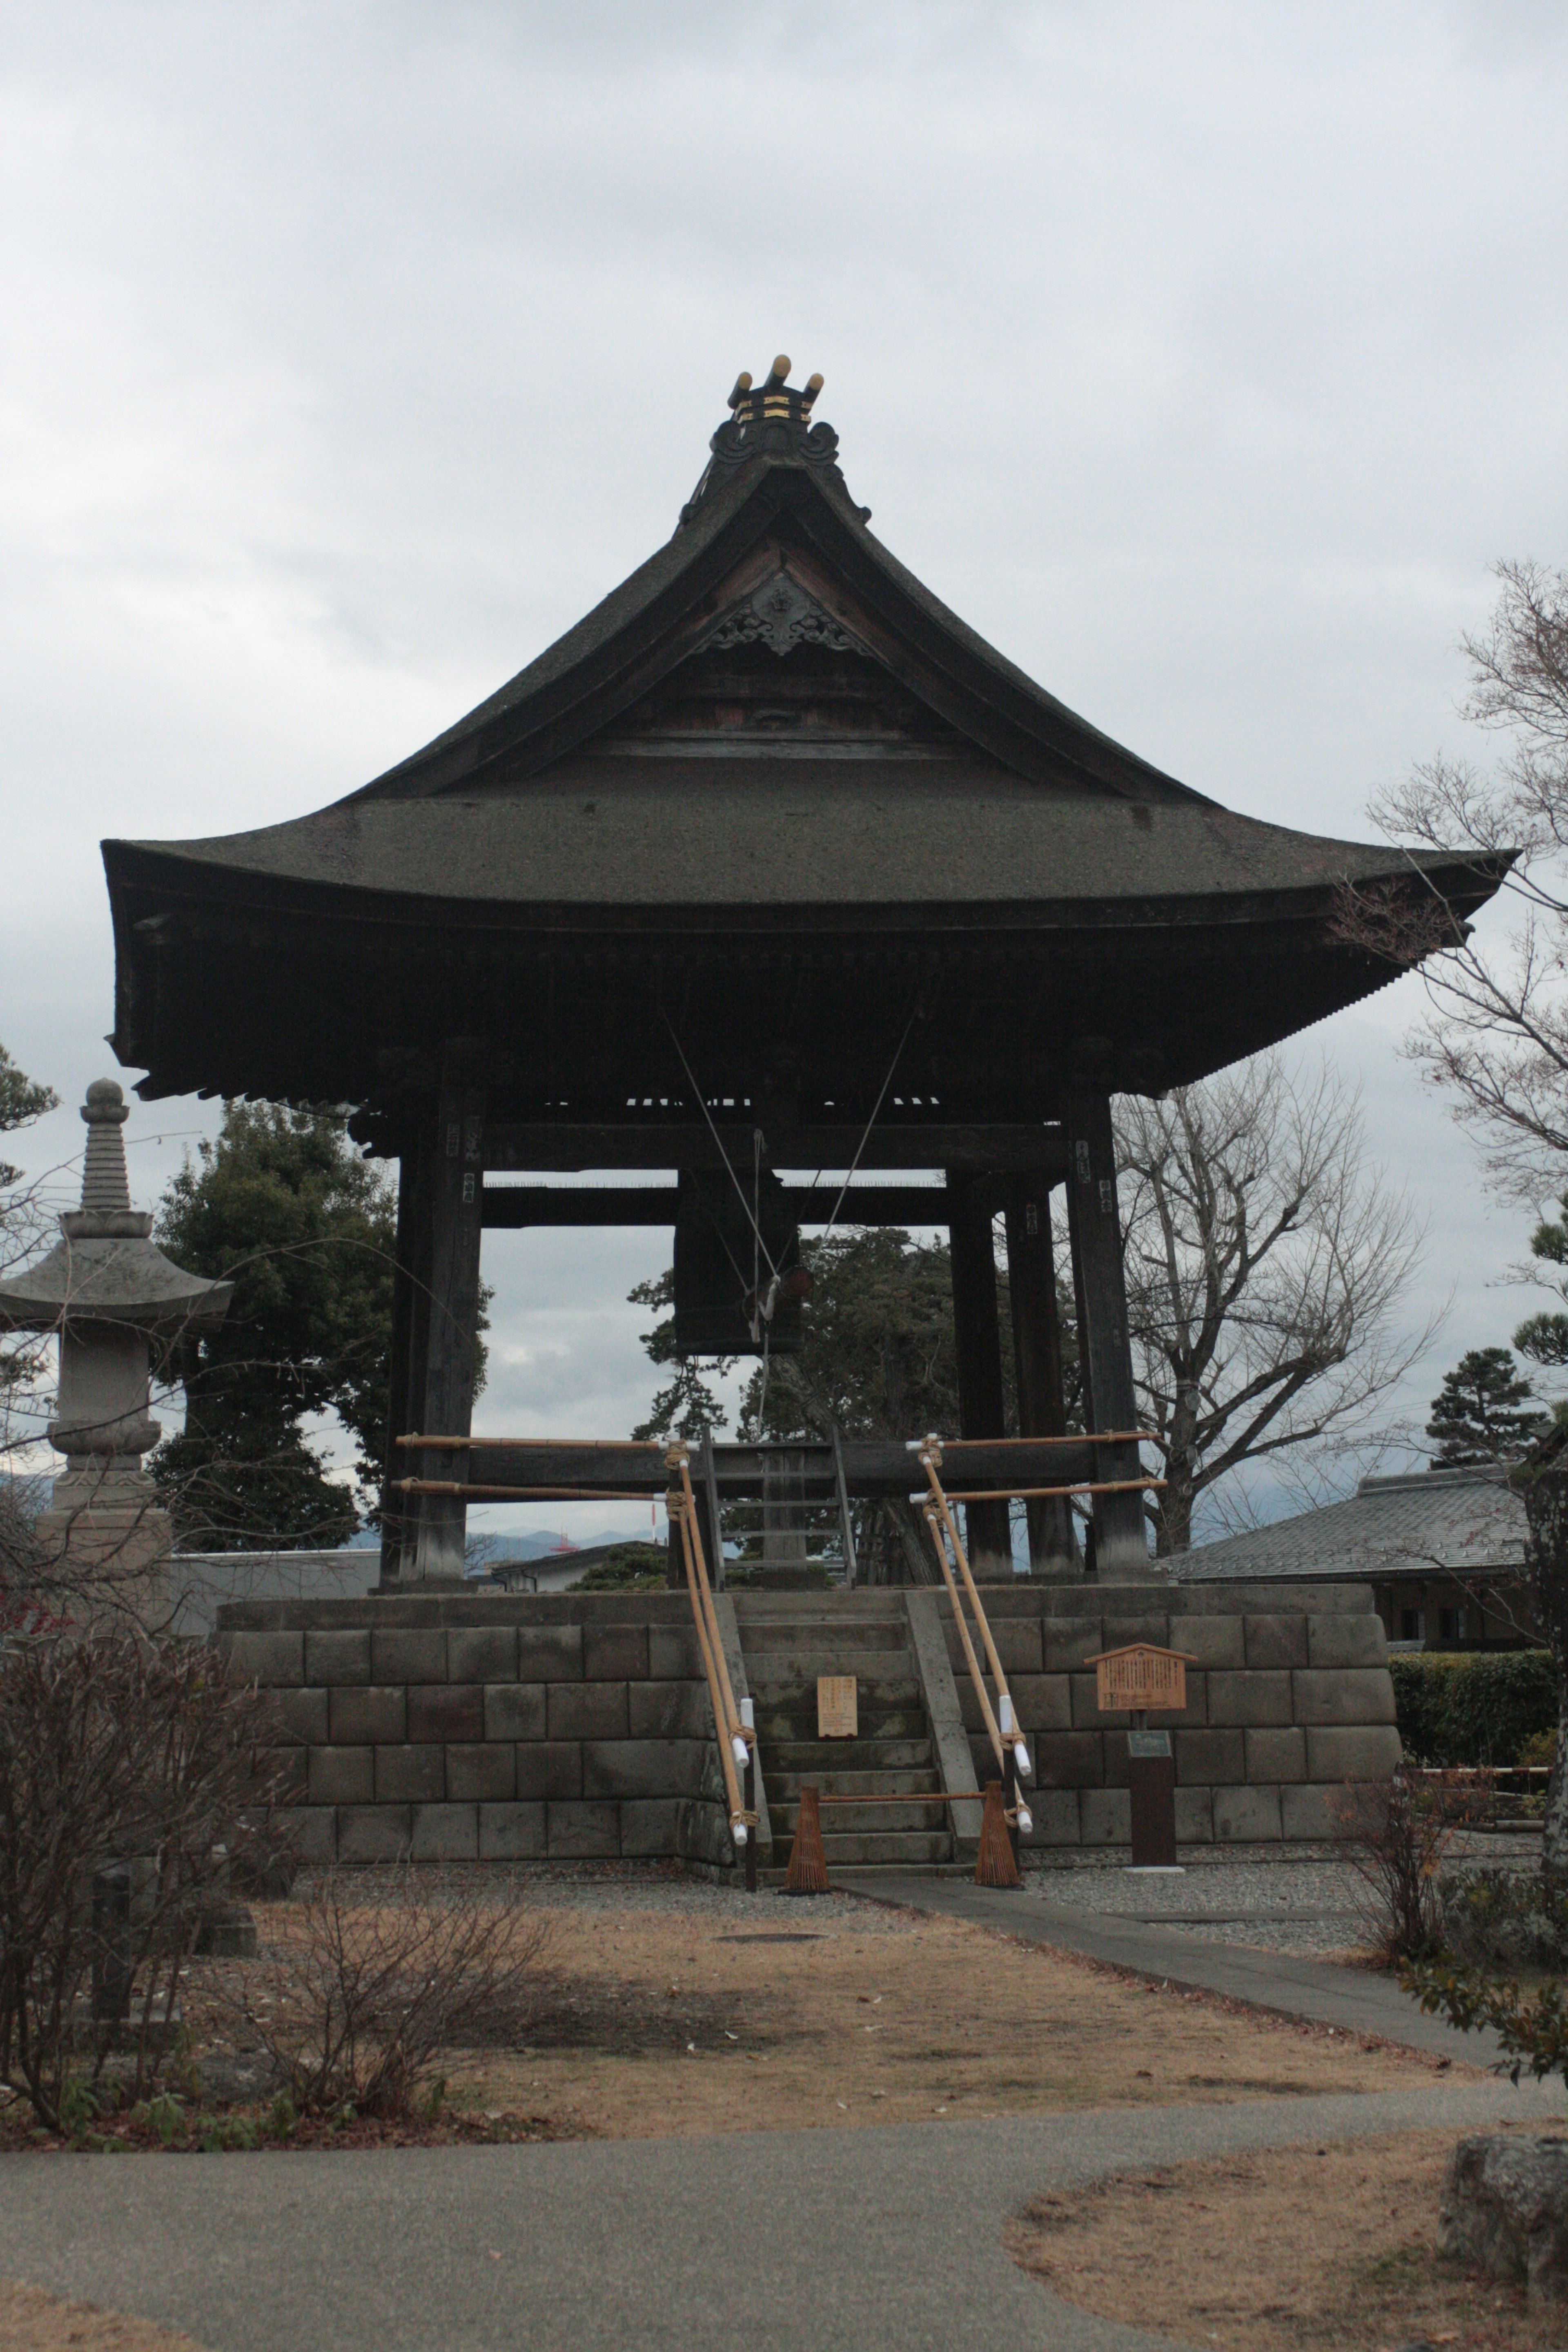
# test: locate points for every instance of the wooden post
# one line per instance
(1105, 1351)
(977, 1343)
(457, 1206)
(1037, 1356)
(410, 1341)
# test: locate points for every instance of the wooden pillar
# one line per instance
(1037, 1357)
(1105, 1352)
(410, 1343)
(457, 1204)
(977, 1343)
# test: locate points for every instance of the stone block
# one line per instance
(650, 1825)
(1067, 1641)
(276, 1661)
(1309, 1813)
(703, 1833)
(1195, 1715)
(373, 1833)
(1127, 1626)
(1343, 1695)
(1194, 1816)
(343, 1656)
(1277, 1756)
(1366, 1753)
(281, 1773)
(514, 1710)
(582, 1833)
(1255, 1697)
(1044, 1701)
(486, 1774)
(1066, 1760)
(366, 1715)
(1018, 1644)
(588, 1711)
(672, 1654)
(642, 1768)
(615, 1654)
(668, 1711)
(1055, 1814)
(311, 1831)
(1104, 1817)
(444, 1833)
(512, 1832)
(1086, 1713)
(1114, 1746)
(298, 1715)
(342, 1776)
(1210, 1641)
(1504, 2213)
(1275, 1641)
(1210, 1758)
(447, 1711)
(410, 1775)
(549, 1654)
(406, 1656)
(547, 1767)
(482, 1653)
(1346, 1639)
(1246, 1816)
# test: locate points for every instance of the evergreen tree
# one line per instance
(1480, 1415)
(282, 1205)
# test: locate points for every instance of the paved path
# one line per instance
(852, 2241)
(1353, 1998)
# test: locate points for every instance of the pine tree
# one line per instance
(1479, 1416)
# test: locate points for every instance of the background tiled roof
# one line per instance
(1463, 1521)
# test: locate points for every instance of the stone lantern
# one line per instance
(109, 1292)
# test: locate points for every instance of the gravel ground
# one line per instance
(622, 1890)
(1300, 1899)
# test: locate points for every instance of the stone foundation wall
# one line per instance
(506, 1728)
(1289, 1698)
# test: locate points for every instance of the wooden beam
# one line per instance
(677, 1140)
(1038, 1361)
(410, 1335)
(977, 1345)
(512, 1206)
(1121, 1540)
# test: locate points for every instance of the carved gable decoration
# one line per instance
(781, 615)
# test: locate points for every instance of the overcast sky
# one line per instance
(1203, 357)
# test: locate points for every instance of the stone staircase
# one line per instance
(787, 1640)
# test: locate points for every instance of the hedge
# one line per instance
(1477, 1706)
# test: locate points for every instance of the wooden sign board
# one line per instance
(836, 1714)
(1140, 1677)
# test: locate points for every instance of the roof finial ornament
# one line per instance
(770, 421)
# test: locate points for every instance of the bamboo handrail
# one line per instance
(682, 1506)
(930, 1457)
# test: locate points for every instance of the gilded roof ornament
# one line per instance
(771, 420)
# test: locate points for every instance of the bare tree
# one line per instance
(1266, 1259)
(1495, 1036)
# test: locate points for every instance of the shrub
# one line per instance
(372, 1988)
(628, 1568)
(1395, 1837)
(1474, 1706)
(1515, 1919)
(112, 1752)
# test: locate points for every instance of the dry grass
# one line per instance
(1340, 2252)
(32, 2321)
(664, 2028)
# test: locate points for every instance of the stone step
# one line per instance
(791, 1725)
(863, 1821)
(908, 1846)
(886, 1677)
(817, 1757)
(821, 1636)
(784, 1788)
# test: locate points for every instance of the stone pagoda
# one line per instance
(109, 1293)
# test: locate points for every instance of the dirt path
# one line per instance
(32, 2321)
